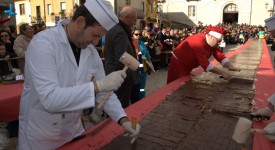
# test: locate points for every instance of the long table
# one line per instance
(10, 101)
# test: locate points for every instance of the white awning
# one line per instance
(179, 17)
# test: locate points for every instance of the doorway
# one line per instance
(38, 14)
(230, 14)
(230, 17)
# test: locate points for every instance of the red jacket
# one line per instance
(191, 53)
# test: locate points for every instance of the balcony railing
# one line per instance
(13, 58)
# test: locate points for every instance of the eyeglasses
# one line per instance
(136, 34)
(4, 35)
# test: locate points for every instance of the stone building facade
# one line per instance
(192, 12)
(176, 12)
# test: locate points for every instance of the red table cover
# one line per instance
(10, 101)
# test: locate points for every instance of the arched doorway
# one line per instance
(230, 13)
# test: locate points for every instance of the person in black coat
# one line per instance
(117, 41)
(5, 65)
(8, 40)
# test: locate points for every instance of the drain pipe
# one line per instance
(250, 11)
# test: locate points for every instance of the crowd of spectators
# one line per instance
(236, 34)
(161, 41)
(16, 44)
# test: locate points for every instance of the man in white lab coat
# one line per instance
(59, 64)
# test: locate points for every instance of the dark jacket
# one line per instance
(4, 65)
(117, 41)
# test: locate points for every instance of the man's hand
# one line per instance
(226, 76)
(111, 82)
(7, 58)
(234, 69)
(133, 133)
(8, 41)
(230, 67)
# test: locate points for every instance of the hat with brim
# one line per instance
(103, 13)
(270, 23)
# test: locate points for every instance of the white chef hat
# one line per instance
(103, 12)
(270, 23)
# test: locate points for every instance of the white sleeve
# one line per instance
(112, 106)
(225, 60)
(209, 67)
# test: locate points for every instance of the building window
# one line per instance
(128, 2)
(63, 6)
(22, 9)
(231, 8)
(38, 13)
(143, 6)
(49, 8)
(191, 11)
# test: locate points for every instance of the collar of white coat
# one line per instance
(63, 32)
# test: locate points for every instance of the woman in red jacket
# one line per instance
(195, 51)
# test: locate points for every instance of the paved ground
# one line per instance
(5, 142)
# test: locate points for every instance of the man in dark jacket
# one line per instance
(117, 41)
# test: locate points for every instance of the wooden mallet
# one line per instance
(242, 130)
(129, 62)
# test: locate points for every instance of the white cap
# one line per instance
(103, 12)
(270, 23)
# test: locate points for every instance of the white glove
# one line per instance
(263, 112)
(112, 81)
(270, 131)
(96, 115)
(270, 128)
(133, 133)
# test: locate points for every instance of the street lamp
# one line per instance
(158, 16)
(266, 5)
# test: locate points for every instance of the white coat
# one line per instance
(56, 90)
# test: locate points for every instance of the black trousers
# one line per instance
(124, 92)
